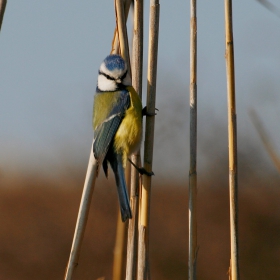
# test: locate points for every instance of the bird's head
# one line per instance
(113, 74)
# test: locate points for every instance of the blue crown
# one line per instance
(114, 61)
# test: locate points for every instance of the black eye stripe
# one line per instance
(111, 78)
(107, 76)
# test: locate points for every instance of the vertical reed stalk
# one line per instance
(120, 45)
(82, 217)
(116, 43)
(143, 251)
(119, 252)
(137, 67)
(3, 4)
(232, 142)
(137, 54)
(132, 241)
(122, 32)
(121, 237)
(193, 144)
(265, 139)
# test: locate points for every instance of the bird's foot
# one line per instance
(145, 112)
(142, 170)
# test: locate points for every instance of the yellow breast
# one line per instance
(128, 137)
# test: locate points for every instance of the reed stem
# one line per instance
(120, 45)
(232, 142)
(137, 69)
(265, 139)
(119, 250)
(82, 216)
(143, 250)
(116, 43)
(3, 4)
(193, 144)
(122, 32)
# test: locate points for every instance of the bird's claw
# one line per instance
(145, 112)
(142, 170)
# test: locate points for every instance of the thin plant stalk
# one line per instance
(118, 263)
(193, 144)
(137, 68)
(132, 236)
(143, 243)
(120, 45)
(232, 143)
(116, 43)
(122, 32)
(82, 216)
(119, 250)
(3, 4)
(137, 53)
(121, 237)
(265, 139)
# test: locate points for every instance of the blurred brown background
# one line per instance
(38, 217)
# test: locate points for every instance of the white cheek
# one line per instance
(104, 69)
(105, 84)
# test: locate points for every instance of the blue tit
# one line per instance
(117, 123)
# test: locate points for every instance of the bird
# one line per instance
(117, 123)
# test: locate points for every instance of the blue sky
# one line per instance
(50, 52)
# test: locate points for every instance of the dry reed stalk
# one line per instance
(232, 140)
(82, 216)
(132, 240)
(137, 54)
(270, 6)
(121, 237)
(115, 43)
(120, 45)
(137, 67)
(119, 252)
(265, 139)
(3, 4)
(122, 32)
(193, 144)
(143, 243)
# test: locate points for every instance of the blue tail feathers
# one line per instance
(116, 164)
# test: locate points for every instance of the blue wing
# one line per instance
(105, 132)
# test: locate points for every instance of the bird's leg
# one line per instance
(142, 170)
(145, 112)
